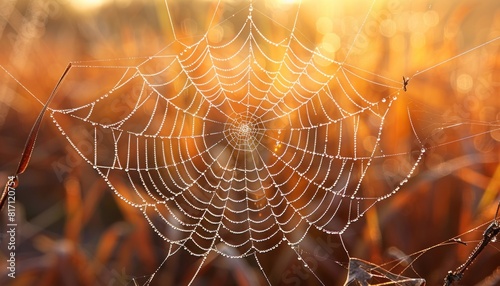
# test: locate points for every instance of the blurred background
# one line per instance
(73, 231)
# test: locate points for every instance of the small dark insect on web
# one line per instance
(406, 80)
(489, 235)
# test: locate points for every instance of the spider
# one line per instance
(405, 82)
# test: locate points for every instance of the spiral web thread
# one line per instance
(238, 145)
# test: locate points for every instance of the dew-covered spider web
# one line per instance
(240, 144)
(248, 132)
(248, 142)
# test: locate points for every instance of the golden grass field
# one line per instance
(72, 230)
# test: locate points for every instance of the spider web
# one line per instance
(239, 142)
(245, 143)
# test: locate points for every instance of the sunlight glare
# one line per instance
(87, 4)
(290, 1)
